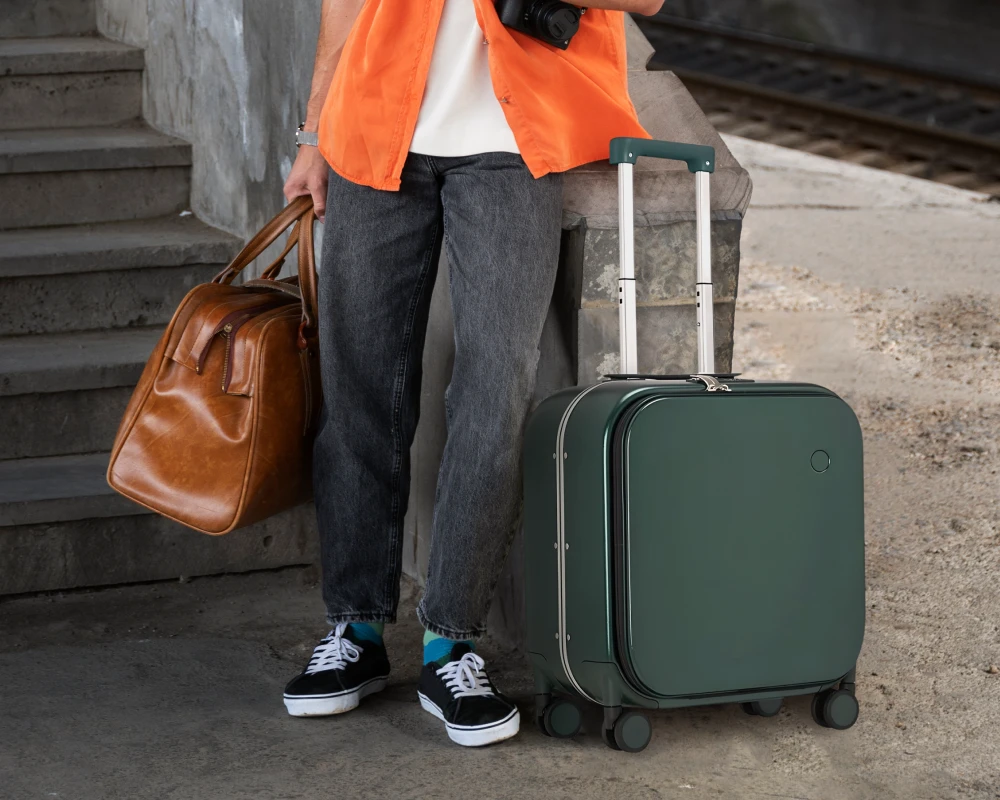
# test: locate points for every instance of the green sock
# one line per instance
(370, 631)
(438, 648)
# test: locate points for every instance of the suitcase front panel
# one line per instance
(740, 558)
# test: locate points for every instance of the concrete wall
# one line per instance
(954, 35)
(232, 77)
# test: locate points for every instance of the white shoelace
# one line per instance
(334, 652)
(465, 677)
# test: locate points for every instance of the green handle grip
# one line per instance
(698, 157)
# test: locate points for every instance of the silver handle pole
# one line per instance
(626, 282)
(703, 287)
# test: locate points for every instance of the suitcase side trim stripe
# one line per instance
(560, 455)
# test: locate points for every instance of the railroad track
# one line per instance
(903, 119)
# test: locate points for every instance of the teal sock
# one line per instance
(368, 631)
(437, 649)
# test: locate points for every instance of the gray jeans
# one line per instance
(501, 231)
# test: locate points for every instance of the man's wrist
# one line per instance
(306, 135)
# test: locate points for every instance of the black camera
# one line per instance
(552, 21)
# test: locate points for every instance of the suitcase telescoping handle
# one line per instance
(700, 160)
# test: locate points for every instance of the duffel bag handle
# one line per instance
(300, 213)
(700, 160)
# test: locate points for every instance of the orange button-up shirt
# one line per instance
(563, 106)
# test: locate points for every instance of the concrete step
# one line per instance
(48, 17)
(65, 527)
(39, 490)
(68, 362)
(56, 82)
(86, 175)
(49, 55)
(112, 275)
(68, 392)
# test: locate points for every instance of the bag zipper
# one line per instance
(228, 327)
(227, 335)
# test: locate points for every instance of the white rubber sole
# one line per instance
(478, 736)
(325, 705)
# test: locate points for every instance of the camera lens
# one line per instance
(555, 20)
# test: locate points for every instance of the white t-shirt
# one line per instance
(460, 114)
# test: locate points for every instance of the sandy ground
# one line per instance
(882, 288)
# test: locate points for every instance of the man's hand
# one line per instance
(310, 172)
(309, 176)
(645, 7)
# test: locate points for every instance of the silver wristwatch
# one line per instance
(302, 137)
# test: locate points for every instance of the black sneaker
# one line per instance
(461, 695)
(342, 670)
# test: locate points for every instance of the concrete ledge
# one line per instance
(667, 340)
(98, 300)
(89, 149)
(42, 199)
(58, 423)
(34, 102)
(58, 489)
(51, 55)
(74, 361)
(130, 549)
(164, 242)
(656, 245)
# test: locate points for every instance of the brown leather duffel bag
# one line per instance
(218, 433)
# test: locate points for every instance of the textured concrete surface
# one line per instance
(670, 243)
(60, 489)
(90, 149)
(232, 77)
(163, 242)
(57, 423)
(87, 196)
(99, 300)
(126, 546)
(74, 361)
(47, 18)
(667, 340)
(65, 101)
(47, 55)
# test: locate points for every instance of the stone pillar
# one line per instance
(580, 340)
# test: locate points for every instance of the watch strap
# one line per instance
(302, 137)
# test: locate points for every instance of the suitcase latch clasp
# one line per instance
(712, 383)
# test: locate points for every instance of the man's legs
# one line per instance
(380, 254)
(502, 234)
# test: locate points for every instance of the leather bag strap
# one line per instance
(301, 214)
(307, 278)
(264, 238)
(271, 273)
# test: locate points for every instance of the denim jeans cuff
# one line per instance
(358, 616)
(448, 632)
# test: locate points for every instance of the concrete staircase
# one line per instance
(96, 250)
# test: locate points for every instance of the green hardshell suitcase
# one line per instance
(690, 540)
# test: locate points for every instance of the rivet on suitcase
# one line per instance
(690, 540)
